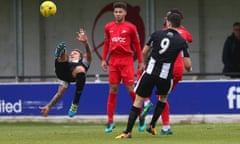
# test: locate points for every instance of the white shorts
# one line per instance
(65, 84)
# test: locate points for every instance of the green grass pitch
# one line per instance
(93, 133)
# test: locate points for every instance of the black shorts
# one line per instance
(63, 71)
(147, 82)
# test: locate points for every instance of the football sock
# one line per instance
(133, 96)
(157, 112)
(165, 114)
(166, 127)
(112, 98)
(132, 118)
(146, 101)
(80, 82)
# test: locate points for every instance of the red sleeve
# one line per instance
(105, 45)
(136, 45)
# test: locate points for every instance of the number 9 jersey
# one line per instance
(166, 45)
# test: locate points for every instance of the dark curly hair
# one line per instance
(119, 4)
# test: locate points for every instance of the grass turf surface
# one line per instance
(93, 133)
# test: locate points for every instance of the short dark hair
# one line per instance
(120, 4)
(177, 11)
(236, 24)
(171, 11)
(175, 19)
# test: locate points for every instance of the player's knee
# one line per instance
(77, 70)
(113, 88)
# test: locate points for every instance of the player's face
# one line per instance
(119, 14)
(168, 24)
(74, 56)
(236, 31)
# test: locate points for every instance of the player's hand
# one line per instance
(189, 69)
(82, 36)
(104, 65)
(140, 71)
(44, 110)
(141, 67)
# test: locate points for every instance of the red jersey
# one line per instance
(185, 34)
(121, 39)
(188, 37)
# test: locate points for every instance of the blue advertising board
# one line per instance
(189, 97)
(206, 97)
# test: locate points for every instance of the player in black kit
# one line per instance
(69, 69)
(165, 45)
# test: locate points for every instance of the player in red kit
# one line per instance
(178, 71)
(121, 41)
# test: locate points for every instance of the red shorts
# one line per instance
(121, 69)
(178, 73)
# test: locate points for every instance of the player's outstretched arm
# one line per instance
(45, 109)
(82, 37)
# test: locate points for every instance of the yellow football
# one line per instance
(48, 8)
